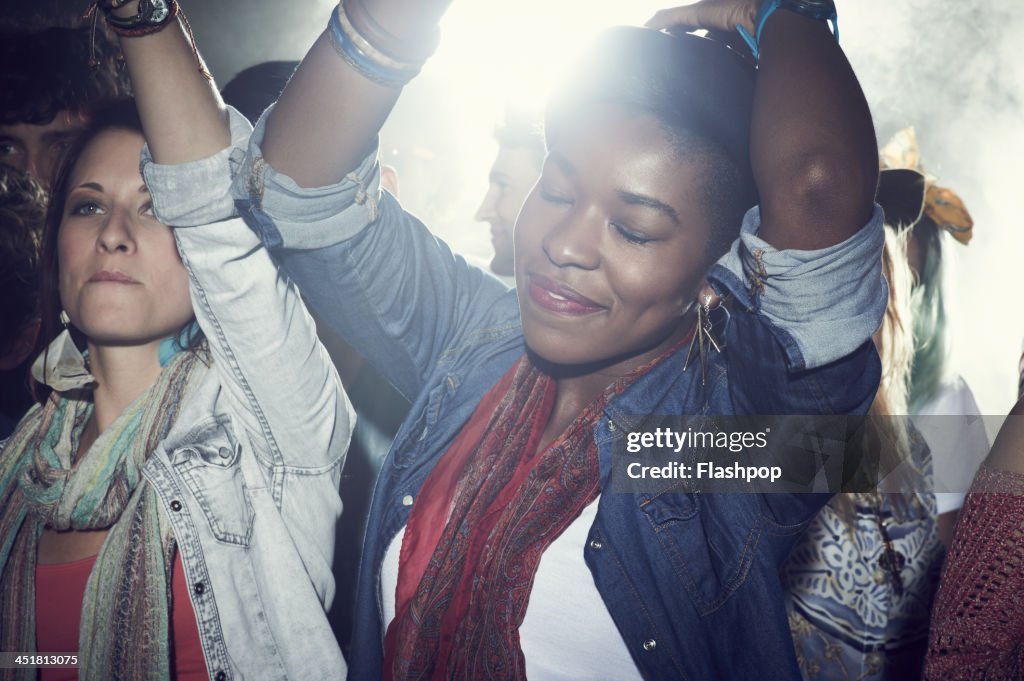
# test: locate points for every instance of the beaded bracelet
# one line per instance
(819, 10)
(365, 57)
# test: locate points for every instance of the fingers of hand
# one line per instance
(675, 16)
(723, 15)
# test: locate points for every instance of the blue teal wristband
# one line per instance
(819, 10)
(364, 63)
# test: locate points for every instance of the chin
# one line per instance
(560, 348)
(503, 267)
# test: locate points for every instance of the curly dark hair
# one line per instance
(22, 214)
(58, 69)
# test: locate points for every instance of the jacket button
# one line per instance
(175, 505)
(199, 588)
(650, 644)
(407, 500)
(220, 676)
(611, 426)
(224, 453)
(596, 544)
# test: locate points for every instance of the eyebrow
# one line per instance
(60, 135)
(630, 198)
(650, 202)
(562, 163)
(95, 186)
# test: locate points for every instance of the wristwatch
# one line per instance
(151, 13)
(819, 10)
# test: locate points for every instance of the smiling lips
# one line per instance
(113, 276)
(559, 298)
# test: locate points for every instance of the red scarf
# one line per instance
(485, 515)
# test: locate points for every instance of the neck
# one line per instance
(122, 374)
(579, 385)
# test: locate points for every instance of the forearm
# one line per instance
(977, 630)
(274, 371)
(813, 147)
(330, 113)
(182, 114)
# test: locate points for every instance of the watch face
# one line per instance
(154, 11)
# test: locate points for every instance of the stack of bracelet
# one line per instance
(372, 50)
(152, 16)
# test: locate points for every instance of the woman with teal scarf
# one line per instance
(167, 509)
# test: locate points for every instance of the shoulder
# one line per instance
(1007, 453)
(953, 397)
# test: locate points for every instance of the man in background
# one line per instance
(48, 81)
(516, 169)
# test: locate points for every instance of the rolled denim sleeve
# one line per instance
(821, 305)
(199, 192)
(285, 215)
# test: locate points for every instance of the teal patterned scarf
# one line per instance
(124, 631)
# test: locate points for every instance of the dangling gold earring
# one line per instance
(703, 336)
(62, 366)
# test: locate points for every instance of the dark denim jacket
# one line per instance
(691, 581)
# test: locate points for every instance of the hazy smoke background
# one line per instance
(953, 69)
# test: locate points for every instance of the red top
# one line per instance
(977, 627)
(59, 592)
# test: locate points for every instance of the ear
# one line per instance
(24, 341)
(686, 304)
(707, 295)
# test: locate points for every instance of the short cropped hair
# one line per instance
(700, 91)
(522, 131)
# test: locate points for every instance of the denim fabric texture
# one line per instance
(690, 580)
(249, 473)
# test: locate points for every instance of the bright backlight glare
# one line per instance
(493, 56)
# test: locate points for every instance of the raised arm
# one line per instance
(329, 114)
(977, 629)
(813, 148)
(182, 114)
(274, 373)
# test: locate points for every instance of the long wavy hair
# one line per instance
(894, 342)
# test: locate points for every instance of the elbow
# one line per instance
(826, 185)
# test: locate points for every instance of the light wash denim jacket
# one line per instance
(691, 581)
(249, 473)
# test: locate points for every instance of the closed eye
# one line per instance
(552, 197)
(631, 236)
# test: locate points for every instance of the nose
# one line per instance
(487, 210)
(37, 168)
(118, 233)
(574, 240)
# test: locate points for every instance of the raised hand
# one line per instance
(716, 15)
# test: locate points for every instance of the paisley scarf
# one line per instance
(124, 631)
